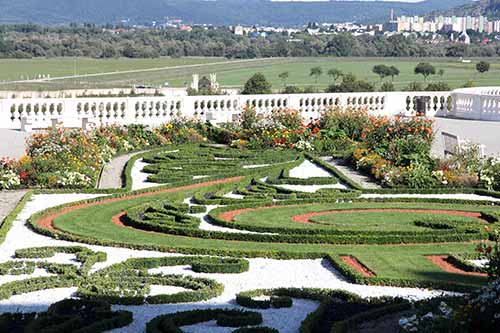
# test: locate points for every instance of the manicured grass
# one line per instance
(232, 73)
(361, 221)
(396, 262)
(393, 262)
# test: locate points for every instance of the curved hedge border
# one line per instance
(170, 323)
(77, 316)
(246, 299)
(325, 297)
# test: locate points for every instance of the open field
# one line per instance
(231, 73)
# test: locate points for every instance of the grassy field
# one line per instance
(231, 73)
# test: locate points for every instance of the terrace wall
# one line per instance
(33, 113)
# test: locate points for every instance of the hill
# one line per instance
(219, 12)
(490, 8)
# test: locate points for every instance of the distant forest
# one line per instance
(27, 41)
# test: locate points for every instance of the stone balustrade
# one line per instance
(33, 113)
(476, 103)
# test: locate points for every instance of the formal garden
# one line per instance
(252, 227)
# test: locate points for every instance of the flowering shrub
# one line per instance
(248, 117)
(72, 179)
(8, 179)
(434, 320)
(182, 130)
(350, 121)
(492, 253)
(490, 174)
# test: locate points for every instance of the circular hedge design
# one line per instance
(161, 219)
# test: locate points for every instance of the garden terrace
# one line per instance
(347, 226)
(178, 255)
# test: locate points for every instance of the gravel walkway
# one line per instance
(8, 201)
(111, 177)
(352, 173)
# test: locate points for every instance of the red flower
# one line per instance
(488, 250)
(23, 175)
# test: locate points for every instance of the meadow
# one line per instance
(106, 73)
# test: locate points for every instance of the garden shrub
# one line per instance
(78, 316)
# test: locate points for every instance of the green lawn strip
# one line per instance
(93, 225)
(281, 216)
(386, 221)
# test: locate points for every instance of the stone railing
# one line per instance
(36, 113)
(476, 103)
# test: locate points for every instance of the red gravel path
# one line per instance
(447, 267)
(357, 266)
(306, 218)
(46, 221)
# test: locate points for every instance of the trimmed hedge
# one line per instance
(247, 300)
(354, 276)
(170, 323)
(77, 316)
(17, 267)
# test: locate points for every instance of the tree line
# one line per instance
(348, 82)
(26, 41)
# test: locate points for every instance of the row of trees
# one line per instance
(342, 83)
(382, 71)
(34, 41)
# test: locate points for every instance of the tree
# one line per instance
(394, 71)
(316, 72)
(350, 83)
(335, 74)
(483, 67)
(257, 85)
(382, 71)
(284, 77)
(441, 72)
(425, 69)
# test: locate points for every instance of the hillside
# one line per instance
(490, 8)
(218, 12)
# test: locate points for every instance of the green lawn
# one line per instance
(94, 225)
(231, 73)
(407, 262)
(360, 221)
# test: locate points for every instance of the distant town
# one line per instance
(457, 28)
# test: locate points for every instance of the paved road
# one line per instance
(12, 143)
(484, 132)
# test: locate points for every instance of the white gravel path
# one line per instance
(232, 195)
(308, 170)
(267, 273)
(479, 263)
(311, 188)
(263, 273)
(139, 178)
(205, 225)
